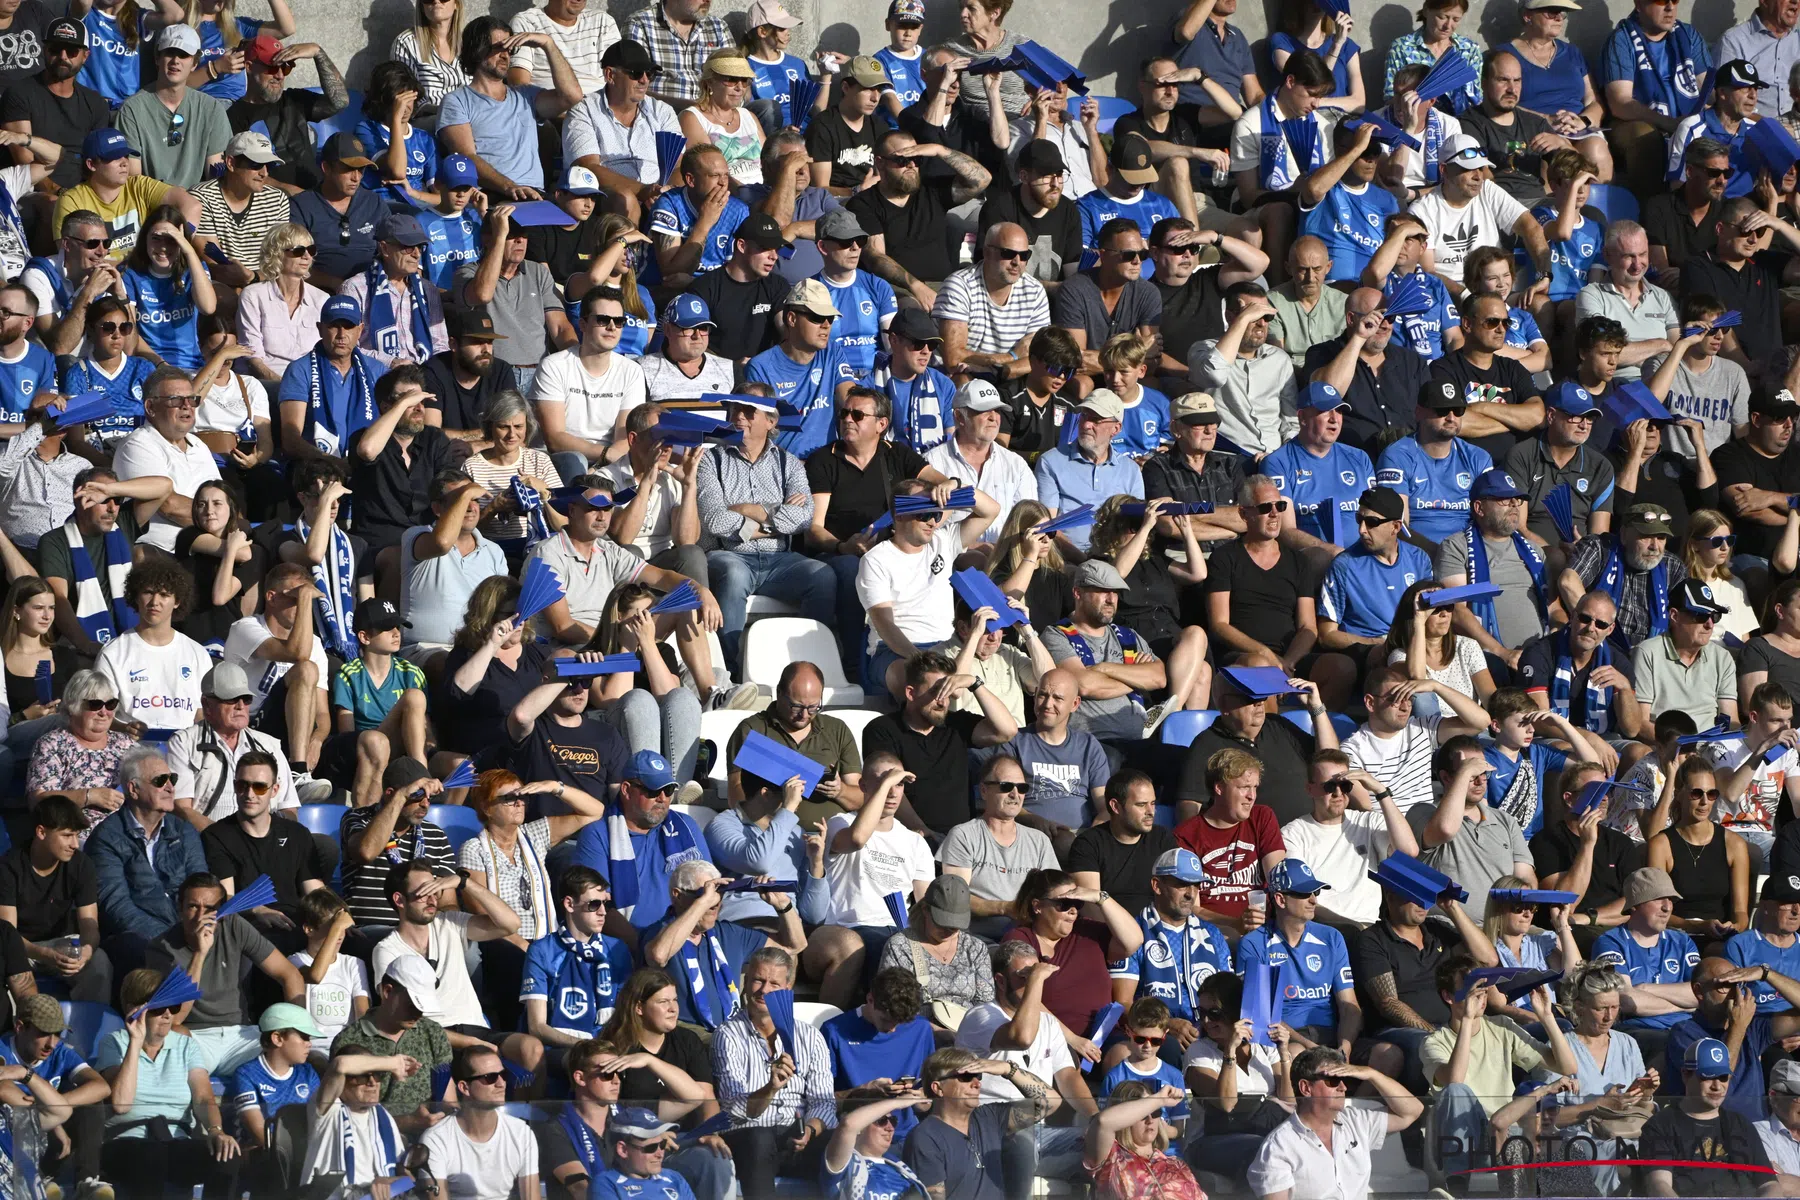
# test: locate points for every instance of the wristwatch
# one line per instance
(1105, 896)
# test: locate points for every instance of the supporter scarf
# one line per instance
(1128, 648)
(531, 506)
(1562, 684)
(1154, 928)
(382, 317)
(673, 842)
(1478, 573)
(389, 1134)
(538, 895)
(1297, 140)
(1612, 582)
(585, 1142)
(359, 414)
(591, 951)
(336, 577)
(708, 1001)
(100, 621)
(1678, 94)
(1434, 141)
(59, 284)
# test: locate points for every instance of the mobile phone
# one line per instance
(831, 773)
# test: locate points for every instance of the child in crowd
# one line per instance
(1145, 1028)
(337, 984)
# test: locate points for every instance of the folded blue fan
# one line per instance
(977, 591)
(1444, 597)
(1075, 518)
(1451, 74)
(754, 885)
(1328, 514)
(611, 664)
(915, 504)
(717, 1123)
(1262, 1001)
(803, 92)
(1105, 1021)
(683, 599)
(788, 418)
(1770, 147)
(533, 213)
(1334, 7)
(1705, 735)
(1408, 296)
(879, 525)
(1423, 885)
(1532, 896)
(769, 760)
(1634, 401)
(1194, 508)
(400, 1186)
(624, 496)
(780, 1004)
(1559, 502)
(258, 892)
(517, 1076)
(1225, 445)
(440, 1080)
(539, 587)
(1595, 792)
(998, 66)
(896, 906)
(1385, 130)
(1050, 70)
(88, 406)
(44, 680)
(463, 776)
(1510, 982)
(1774, 753)
(1259, 683)
(1724, 320)
(669, 149)
(175, 989)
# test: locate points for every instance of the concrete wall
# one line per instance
(1105, 38)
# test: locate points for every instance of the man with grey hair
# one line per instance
(65, 283)
(1682, 223)
(1645, 310)
(703, 954)
(1325, 1147)
(1770, 43)
(166, 446)
(140, 858)
(1521, 611)
(787, 196)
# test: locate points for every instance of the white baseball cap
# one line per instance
(1464, 152)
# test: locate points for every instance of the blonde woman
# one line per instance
(508, 427)
(614, 265)
(429, 48)
(219, 71)
(278, 316)
(1512, 925)
(1710, 545)
(1029, 565)
(721, 118)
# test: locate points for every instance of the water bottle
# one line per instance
(71, 945)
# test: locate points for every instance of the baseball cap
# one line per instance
(403, 771)
(1131, 159)
(414, 977)
(1042, 157)
(42, 1013)
(263, 49)
(226, 681)
(868, 72)
(457, 170)
(67, 33)
(182, 38)
(809, 295)
(1708, 1058)
(651, 770)
(1441, 395)
(1322, 397)
(105, 145)
(1495, 484)
(762, 232)
(839, 225)
(1292, 877)
(341, 308)
(915, 325)
(579, 181)
(1570, 397)
(374, 615)
(688, 311)
(1647, 518)
(278, 1018)
(630, 57)
(1180, 864)
(1196, 408)
(1103, 403)
(1738, 73)
(1550, 5)
(907, 12)
(947, 901)
(1773, 402)
(401, 228)
(1785, 1078)
(978, 395)
(473, 325)
(1696, 597)
(252, 145)
(1780, 889)
(1465, 153)
(1100, 574)
(638, 1125)
(346, 150)
(1646, 884)
(1384, 502)
(769, 12)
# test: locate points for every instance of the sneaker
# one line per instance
(1155, 715)
(745, 697)
(690, 792)
(310, 790)
(94, 1188)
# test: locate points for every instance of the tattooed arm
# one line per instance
(1394, 1010)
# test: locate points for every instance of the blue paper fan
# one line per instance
(748, 884)
(1705, 735)
(517, 1076)
(1135, 511)
(977, 591)
(896, 905)
(400, 1186)
(1260, 683)
(669, 149)
(1559, 502)
(1532, 896)
(88, 406)
(611, 664)
(1634, 401)
(1724, 320)
(463, 776)
(1444, 597)
(1451, 74)
(1595, 792)
(1258, 1005)
(997, 66)
(683, 599)
(1385, 130)
(879, 525)
(780, 1003)
(769, 760)
(539, 587)
(259, 892)
(914, 504)
(1049, 69)
(1105, 1021)
(45, 681)
(717, 1123)
(175, 989)
(1408, 296)
(1768, 145)
(624, 496)
(533, 213)
(1075, 518)
(803, 93)
(1423, 885)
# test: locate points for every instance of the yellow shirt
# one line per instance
(1494, 1050)
(124, 217)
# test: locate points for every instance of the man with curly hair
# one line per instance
(155, 669)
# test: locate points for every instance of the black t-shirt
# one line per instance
(1554, 849)
(1667, 479)
(859, 494)
(464, 408)
(63, 121)
(391, 493)
(1754, 290)
(46, 904)
(1666, 222)
(1279, 746)
(589, 755)
(1517, 167)
(556, 1150)
(917, 236)
(1124, 870)
(682, 1047)
(21, 690)
(1505, 382)
(1378, 951)
(476, 719)
(285, 855)
(1735, 462)
(557, 248)
(206, 622)
(939, 762)
(1674, 1136)
(22, 48)
(1263, 599)
(288, 121)
(1029, 428)
(1180, 131)
(1193, 312)
(851, 152)
(1151, 606)
(1058, 230)
(743, 312)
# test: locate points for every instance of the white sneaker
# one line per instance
(94, 1188)
(310, 790)
(745, 697)
(1155, 715)
(690, 792)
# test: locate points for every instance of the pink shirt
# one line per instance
(271, 334)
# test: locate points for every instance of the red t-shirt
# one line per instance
(1232, 856)
(1082, 987)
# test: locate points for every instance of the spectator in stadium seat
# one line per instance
(1344, 836)
(1684, 668)
(240, 207)
(204, 755)
(39, 1044)
(1504, 626)
(1647, 103)
(1465, 836)
(1656, 960)
(1040, 205)
(1359, 592)
(183, 131)
(1584, 854)
(1727, 1004)
(1273, 621)
(275, 1078)
(1396, 744)
(250, 844)
(659, 841)
(1771, 938)
(841, 138)
(1710, 864)
(1245, 723)
(973, 454)
(1632, 566)
(394, 830)
(509, 853)
(704, 954)
(1522, 758)
(1081, 302)
(338, 204)
(1237, 839)
(337, 983)
(1179, 952)
(794, 719)
(1379, 376)
(81, 762)
(621, 149)
(939, 117)
(1754, 472)
(1705, 1127)
(489, 1152)
(61, 107)
(1191, 282)
(932, 741)
(1250, 376)
(1341, 221)
(1643, 309)
(519, 294)
(887, 1039)
(1434, 469)
(137, 892)
(906, 214)
(1263, 164)
(367, 1148)
(49, 893)
(405, 317)
(1683, 223)
(397, 1025)
(1118, 855)
(573, 974)
(1195, 469)
(966, 1148)
(287, 113)
(694, 225)
(1319, 475)
(1733, 273)
(494, 124)
(993, 853)
(1708, 394)
(990, 311)
(1322, 1008)
(1753, 787)
(1293, 1160)
(1517, 141)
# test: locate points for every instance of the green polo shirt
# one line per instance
(830, 743)
(1665, 682)
(425, 1041)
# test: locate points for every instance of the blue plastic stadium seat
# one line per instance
(323, 818)
(458, 822)
(1180, 729)
(1111, 109)
(88, 1024)
(1618, 203)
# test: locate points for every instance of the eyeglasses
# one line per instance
(187, 401)
(490, 1078)
(1064, 904)
(306, 251)
(100, 705)
(1719, 541)
(166, 779)
(1371, 522)
(1131, 255)
(178, 126)
(1005, 255)
(1271, 508)
(607, 320)
(1008, 787)
(855, 414)
(252, 786)
(1597, 622)
(802, 708)
(114, 326)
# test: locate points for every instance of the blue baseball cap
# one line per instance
(341, 308)
(1292, 877)
(651, 770)
(1322, 397)
(1571, 398)
(1184, 865)
(1495, 484)
(687, 311)
(402, 229)
(106, 145)
(1708, 1058)
(457, 170)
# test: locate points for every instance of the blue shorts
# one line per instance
(874, 666)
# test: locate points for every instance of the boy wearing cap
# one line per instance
(866, 303)
(377, 703)
(277, 1077)
(453, 224)
(1701, 1130)
(38, 1044)
(403, 313)
(566, 249)
(123, 198)
(239, 208)
(841, 139)
(53, 102)
(182, 131)
(1707, 393)
(1685, 668)
(1310, 960)
(693, 224)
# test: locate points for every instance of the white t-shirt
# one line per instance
(1342, 856)
(1454, 233)
(190, 464)
(591, 406)
(1465, 664)
(663, 380)
(158, 685)
(447, 939)
(1047, 1054)
(891, 861)
(246, 636)
(487, 1170)
(916, 585)
(325, 1145)
(1402, 763)
(330, 1004)
(1761, 798)
(1258, 1079)
(656, 532)
(226, 407)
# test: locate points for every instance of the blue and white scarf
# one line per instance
(1562, 683)
(1295, 141)
(531, 507)
(383, 331)
(710, 1001)
(101, 622)
(1434, 141)
(1478, 573)
(336, 577)
(59, 284)
(358, 414)
(1678, 93)
(1152, 924)
(1612, 582)
(385, 1129)
(584, 1141)
(674, 842)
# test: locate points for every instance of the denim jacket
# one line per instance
(137, 896)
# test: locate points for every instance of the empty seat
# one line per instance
(458, 822)
(815, 1012)
(323, 818)
(774, 642)
(1180, 729)
(717, 727)
(857, 719)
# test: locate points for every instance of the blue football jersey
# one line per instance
(1436, 489)
(1673, 959)
(578, 994)
(1312, 973)
(1317, 485)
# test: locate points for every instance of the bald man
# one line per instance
(1067, 768)
(1307, 311)
(1378, 376)
(794, 720)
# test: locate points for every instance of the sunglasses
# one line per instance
(307, 251)
(1461, 410)
(1337, 785)
(165, 1012)
(888, 1121)
(252, 786)
(1719, 540)
(1493, 322)
(1703, 793)
(100, 705)
(490, 1078)
(1007, 787)
(166, 779)
(1179, 251)
(1715, 172)
(114, 326)
(1005, 255)
(590, 906)
(363, 1080)
(968, 1077)
(811, 317)
(1707, 619)
(1064, 904)
(607, 320)
(178, 124)
(1131, 255)
(855, 414)
(1146, 1039)
(1368, 522)
(86, 243)
(1597, 622)
(1274, 506)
